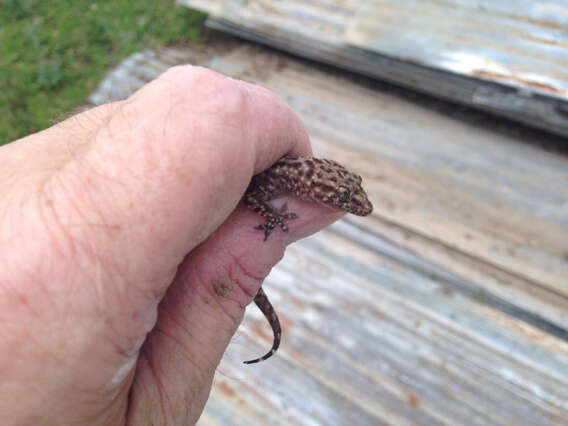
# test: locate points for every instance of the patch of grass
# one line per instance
(53, 53)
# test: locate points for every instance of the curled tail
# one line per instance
(261, 300)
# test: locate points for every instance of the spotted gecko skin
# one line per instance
(311, 179)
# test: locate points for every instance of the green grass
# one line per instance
(53, 53)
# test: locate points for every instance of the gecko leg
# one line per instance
(261, 300)
(275, 217)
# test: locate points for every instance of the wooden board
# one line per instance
(378, 344)
(447, 306)
(507, 62)
(520, 43)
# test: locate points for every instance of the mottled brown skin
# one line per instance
(312, 179)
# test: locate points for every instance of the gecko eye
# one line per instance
(343, 194)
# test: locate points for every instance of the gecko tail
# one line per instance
(261, 300)
(262, 358)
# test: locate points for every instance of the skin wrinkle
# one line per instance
(75, 150)
(144, 159)
(122, 128)
(84, 248)
(16, 294)
(161, 389)
(146, 317)
(226, 250)
(240, 266)
(130, 396)
(100, 125)
(157, 293)
(42, 287)
(204, 287)
(184, 350)
(121, 178)
(236, 281)
(109, 295)
(250, 296)
(130, 347)
(75, 124)
(170, 316)
(104, 411)
(7, 221)
(103, 294)
(46, 207)
(91, 186)
(48, 352)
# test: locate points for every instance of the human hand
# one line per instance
(125, 268)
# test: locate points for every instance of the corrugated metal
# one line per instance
(508, 57)
(447, 306)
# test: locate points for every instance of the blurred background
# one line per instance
(53, 54)
(449, 304)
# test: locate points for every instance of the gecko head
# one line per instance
(337, 187)
(351, 197)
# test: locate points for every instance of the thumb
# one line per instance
(203, 309)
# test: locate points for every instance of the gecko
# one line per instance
(311, 179)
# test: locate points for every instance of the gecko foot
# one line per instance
(276, 218)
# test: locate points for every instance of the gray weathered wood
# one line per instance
(521, 43)
(527, 84)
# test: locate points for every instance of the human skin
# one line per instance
(126, 260)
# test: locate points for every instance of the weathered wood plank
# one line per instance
(396, 343)
(520, 43)
(341, 33)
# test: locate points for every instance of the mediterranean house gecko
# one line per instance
(311, 179)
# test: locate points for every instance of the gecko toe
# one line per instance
(267, 228)
(274, 220)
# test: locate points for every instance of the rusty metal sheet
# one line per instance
(446, 306)
(501, 56)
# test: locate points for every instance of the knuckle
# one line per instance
(208, 92)
(202, 83)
